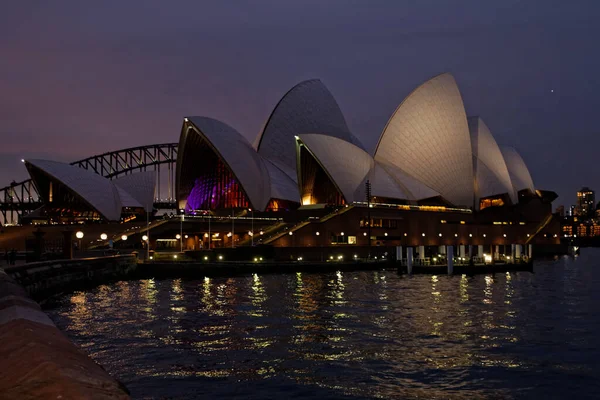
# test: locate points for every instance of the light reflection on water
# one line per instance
(355, 334)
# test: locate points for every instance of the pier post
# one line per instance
(409, 259)
(450, 259)
(399, 253)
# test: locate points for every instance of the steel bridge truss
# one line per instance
(20, 198)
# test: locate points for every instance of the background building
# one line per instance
(586, 202)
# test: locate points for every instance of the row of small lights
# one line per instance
(423, 234)
(104, 236)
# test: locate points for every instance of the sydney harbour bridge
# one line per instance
(21, 198)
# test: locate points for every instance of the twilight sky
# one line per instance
(78, 78)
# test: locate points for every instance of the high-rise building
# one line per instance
(586, 201)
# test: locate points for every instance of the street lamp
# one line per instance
(145, 238)
(103, 236)
(181, 229)
(252, 227)
(79, 235)
(124, 237)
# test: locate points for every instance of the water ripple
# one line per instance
(348, 335)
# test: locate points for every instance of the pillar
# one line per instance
(497, 253)
(421, 252)
(450, 259)
(442, 250)
(530, 251)
(399, 253)
(409, 259)
(67, 245)
(480, 251)
(461, 251)
(517, 251)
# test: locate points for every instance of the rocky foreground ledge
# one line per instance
(37, 361)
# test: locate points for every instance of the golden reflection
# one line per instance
(258, 297)
(435, 323)
(177, 292)
(80, 312)
(337, 288)
(150, 291)
(463, 289)
(489, 280)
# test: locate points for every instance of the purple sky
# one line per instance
(79, 78)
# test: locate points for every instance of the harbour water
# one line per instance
(352, 335)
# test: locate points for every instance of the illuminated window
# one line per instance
(493, 202)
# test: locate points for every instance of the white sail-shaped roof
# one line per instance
(427, 137)
(127, 199)
(382, 185)
(94, 189)
(240, 156)
(282, 185)
(308, 107)
(517, 169)
(346, 163)
(140, 186)
(491, 173)
(414, 188)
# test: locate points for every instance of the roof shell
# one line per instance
(247, 166)
(308, 107)
(517, 169)
(282, 185)
(491, 173)
(140, 187)
(427, 137)
(346, 163)
(96, 190)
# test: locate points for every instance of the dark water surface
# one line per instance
(349, 335)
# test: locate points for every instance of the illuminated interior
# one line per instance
(206, 180)
(491, 202)
(316, 187)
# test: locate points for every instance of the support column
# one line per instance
(461, 250)
(399, 253)
(530, 251)
(497, 253)
(409, 259)
(517, 251)
(442, 250)
(421, 252)
(480, 251)
(450, 259)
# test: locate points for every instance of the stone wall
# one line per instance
(46, 278)
(36, 359)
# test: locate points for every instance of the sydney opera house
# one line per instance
(435, 176)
